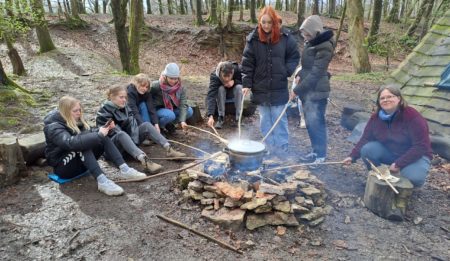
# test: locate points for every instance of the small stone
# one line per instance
(310, 191)
(260, 194)
(340, 244)
(289, 188)
(244, 185)
(256, 202)
(281, 231)
(248, 195)
(300, 200)
(264, 208)
(205, 178)
(316, 222)
(192, 174)
(213, 189)
(301, 174)
(196, 186)
(271, 189)
(216, 204)
(209, 207)
(227, 218)
(183, 180)
(316, 213)
(417, 220)
(277, 199)
(347, 220)
(207, 201)
(297, 209)
(283, 206)
(249, 243)
(231, 203)
(316, 242)
(195, 195)
(276, 239)
(233, 192)
(208, 194)
(309, 202)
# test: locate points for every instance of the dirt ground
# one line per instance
(40, 219)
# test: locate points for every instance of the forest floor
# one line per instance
(40, 219)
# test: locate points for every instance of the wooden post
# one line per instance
(11, 161)
(383, 201)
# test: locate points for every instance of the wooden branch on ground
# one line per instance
(306, 164)
(194, 148)
(170, 171)
(176, 158)
(220, 243)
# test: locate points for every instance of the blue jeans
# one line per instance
(143, 110)
(280, 134)
(166, 116)
(416, 172)
(315, 124)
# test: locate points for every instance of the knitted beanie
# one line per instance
(312, 25)
(171, 70)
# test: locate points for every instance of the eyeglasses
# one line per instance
(388, 97)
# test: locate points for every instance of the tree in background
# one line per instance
(160, 5)
(182, 9)
(170, 7)
(43, 35)
(376, 19)
(393, 14)
(315, 8)
(301, 6)
(212, 19)
(253, 12)
(119, 11)
(199, 20)
(136, 23)
(426, 18)
(229, 23)
(331, 8)
(358, 52)
(412, 28)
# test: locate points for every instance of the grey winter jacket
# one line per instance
(266, 67)
(314, 77)
(156, 92)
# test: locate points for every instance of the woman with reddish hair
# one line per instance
(270, 57)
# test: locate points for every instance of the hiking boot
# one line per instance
(151, 167)
(131, 174)
(219, 123)
(110, 188)
(310, 157)
(172, 153)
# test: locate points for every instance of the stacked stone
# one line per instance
(299, 200)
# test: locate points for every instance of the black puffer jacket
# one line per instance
(314, 78)
(60, 139)
(266, 67)
(135, 98)
(122, 117)
(215, 83)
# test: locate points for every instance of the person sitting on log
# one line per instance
(170, 99)
(396, 135)
(225, 81)
(127, 133)
(72, 147)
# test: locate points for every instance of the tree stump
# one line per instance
(383, 201)
(11, 161)
(33, 147)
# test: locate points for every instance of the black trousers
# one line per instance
(78, 162)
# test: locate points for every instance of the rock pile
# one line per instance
(299, 200)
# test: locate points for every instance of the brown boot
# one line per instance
(151, 167)
(172, 153)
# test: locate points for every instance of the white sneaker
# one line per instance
(302, 123)
(110, 188)
(317, 161)
(311, 157)
(131, 174)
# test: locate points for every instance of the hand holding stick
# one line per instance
(383, 177)
(217, 136)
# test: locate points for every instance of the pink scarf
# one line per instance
(170, 93)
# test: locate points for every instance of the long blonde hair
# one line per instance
(65, 106)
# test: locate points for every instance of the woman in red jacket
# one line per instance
(396, 135)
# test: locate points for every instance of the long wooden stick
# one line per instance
(217, 136)
(194, 148)
(240, 116)
(176, 158)
(220, 243)
(276, 122)
(262, 177)
(306, 164)
(171, 171)
(383, 177)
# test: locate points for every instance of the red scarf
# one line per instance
(170, 93)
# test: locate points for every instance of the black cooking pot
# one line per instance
(246, 154)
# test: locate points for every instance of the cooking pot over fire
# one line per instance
(246, 154)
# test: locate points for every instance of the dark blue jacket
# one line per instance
(266, 67)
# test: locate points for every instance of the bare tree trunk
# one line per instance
(75, 13)
(341, 21)
(212, 19)
(376, 19)
(60, 11)
(105, 5)
(170, 7)
(301, 6)
(412, 28)
(241, 11)
(119, 11)
(14, 57)
(427, 18)
(370, 10)
(96, 7)
(385, 8)
(182, 8)
(358, 52)
(253, 12)
(393, 15)
(277, 5)
(402, 8)
(43, 35)
(199, 19)
(331, 8)
(161, 10)
(49, 4)
(136, 22)
(315, 9)
(229, 24)
(66, 4)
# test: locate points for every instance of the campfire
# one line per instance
(233, 197)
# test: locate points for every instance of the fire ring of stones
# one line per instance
(232, 198)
